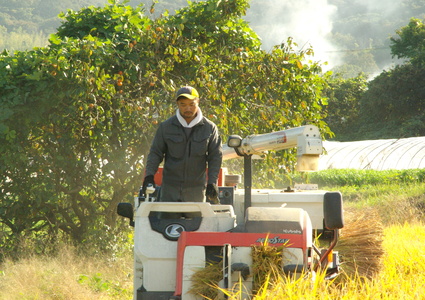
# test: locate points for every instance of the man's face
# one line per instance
(188, 108)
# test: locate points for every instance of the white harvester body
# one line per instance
(155, 255)
(174, 240)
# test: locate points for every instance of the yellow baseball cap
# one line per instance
(187, 92)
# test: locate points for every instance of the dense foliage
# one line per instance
(389, 106)
(410, 42)
(344, 104)
(77, 117)
(393, 104)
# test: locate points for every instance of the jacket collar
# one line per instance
(194, 122)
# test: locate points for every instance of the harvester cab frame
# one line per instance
(174, 240)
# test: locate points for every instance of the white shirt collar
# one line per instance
(195, 121)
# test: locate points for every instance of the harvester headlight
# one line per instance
(234, 141)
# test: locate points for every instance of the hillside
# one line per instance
(352, 36)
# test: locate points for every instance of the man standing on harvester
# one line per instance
(188, 143)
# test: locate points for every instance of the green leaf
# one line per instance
(54, 39)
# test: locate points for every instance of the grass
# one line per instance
(66, 276)
(399, 207)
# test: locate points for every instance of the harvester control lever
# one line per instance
(150, 189)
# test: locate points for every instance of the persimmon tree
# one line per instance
(77, 117)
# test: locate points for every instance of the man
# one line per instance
(188, 143)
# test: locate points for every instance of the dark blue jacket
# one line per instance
(185, 159)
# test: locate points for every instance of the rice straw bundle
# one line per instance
(267, 267)
(267, 264)
(360, 243)
(205, 281)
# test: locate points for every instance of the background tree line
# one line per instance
(391, 105)
(360, 29)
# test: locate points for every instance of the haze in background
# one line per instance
(308, 22)
(351, 35)
(341, 32)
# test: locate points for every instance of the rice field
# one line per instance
(389, 224)
(402, 275)
(69, 276)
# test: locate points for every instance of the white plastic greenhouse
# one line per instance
(407, 153)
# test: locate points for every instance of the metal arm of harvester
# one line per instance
(306, 139)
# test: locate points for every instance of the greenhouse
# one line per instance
(407, 153)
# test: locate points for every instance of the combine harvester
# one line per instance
(173, 240)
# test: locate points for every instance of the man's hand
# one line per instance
(147, 181)
(212, 193)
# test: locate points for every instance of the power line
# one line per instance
(357, 50)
